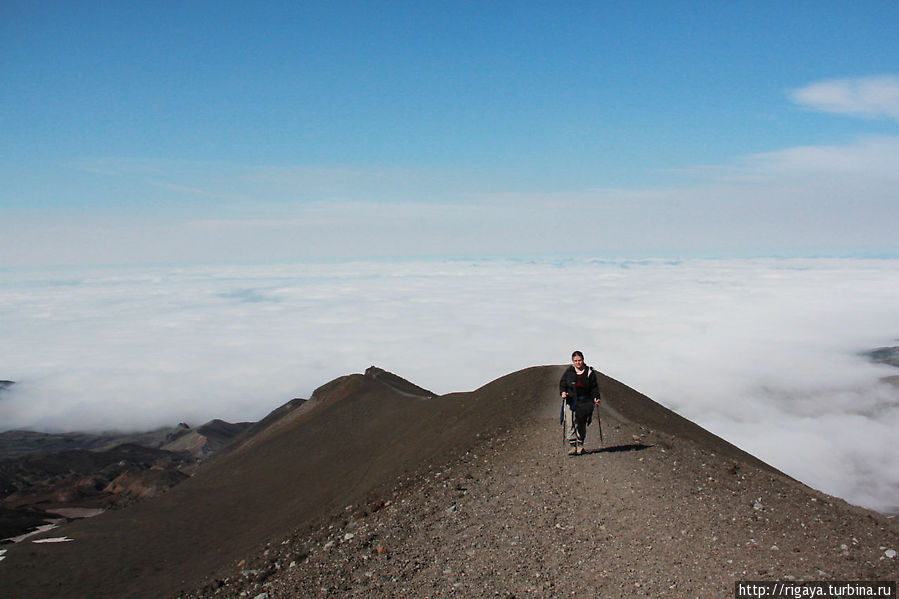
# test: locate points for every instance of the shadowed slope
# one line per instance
(357, 433)
(350, 441)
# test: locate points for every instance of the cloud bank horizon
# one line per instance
(765, 353)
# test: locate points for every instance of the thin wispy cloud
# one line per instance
(762, 352)
(875, 97)
(807, 200)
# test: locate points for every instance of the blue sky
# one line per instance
(160, 132)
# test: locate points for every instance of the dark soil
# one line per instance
(645, 515)
(370, 489)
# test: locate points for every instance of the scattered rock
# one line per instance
(512, 535)
(509, 516)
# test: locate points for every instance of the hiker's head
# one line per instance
(577, 358)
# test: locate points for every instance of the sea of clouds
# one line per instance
(765, 353)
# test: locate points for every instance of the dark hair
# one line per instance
(578, 354)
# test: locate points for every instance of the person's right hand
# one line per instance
(564, 394)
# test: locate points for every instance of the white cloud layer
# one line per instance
(762, 352)
(868, 97)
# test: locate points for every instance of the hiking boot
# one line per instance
(572, 450)
(580, 450)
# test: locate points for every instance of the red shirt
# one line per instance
(582, 383)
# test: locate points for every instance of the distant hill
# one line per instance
(206, 439)
(884, 355)
(42, 474)
(200, 441)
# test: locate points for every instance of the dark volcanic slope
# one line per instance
(467, 493)
(355, 434)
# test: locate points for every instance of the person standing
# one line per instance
(580, 392)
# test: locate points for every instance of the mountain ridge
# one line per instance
(279, 496)
(198, 441)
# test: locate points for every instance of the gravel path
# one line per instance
(649, 515)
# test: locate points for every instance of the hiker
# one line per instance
(580, 392)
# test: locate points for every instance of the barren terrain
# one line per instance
(375, 488)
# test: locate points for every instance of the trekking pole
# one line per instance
(599, 423)
(562, 422)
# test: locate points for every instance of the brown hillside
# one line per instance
(456, 476)
(358, 433)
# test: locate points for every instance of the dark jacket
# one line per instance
(569, 383)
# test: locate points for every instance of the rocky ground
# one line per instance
(375, 488)
(647, 515)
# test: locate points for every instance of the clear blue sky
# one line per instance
(163, 131)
